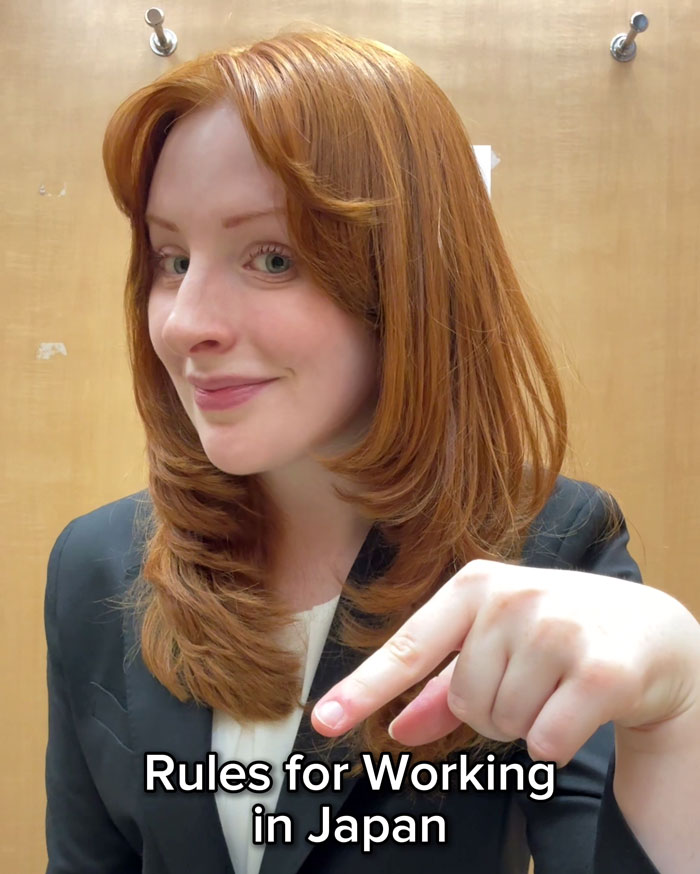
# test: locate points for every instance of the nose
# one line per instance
(203, 310)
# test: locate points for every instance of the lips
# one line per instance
(213, 391)
(233, 396)
(216, 383)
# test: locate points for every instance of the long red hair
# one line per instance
(387, 209)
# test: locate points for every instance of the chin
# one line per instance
(237, 467)
(246, 463)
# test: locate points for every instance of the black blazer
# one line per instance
(106, 711)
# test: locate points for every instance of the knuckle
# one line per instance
(599, 674)
(552, 633)
(478, 567)
(473, 572)
(503, 601)
(403, 649)
(500, 606)
(508, 603)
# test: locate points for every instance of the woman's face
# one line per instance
(221, 307)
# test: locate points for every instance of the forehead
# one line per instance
(207, 158)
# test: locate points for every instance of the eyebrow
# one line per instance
(231, 221)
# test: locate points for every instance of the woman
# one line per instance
(342, 384)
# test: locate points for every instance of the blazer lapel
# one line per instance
(303, 806)
(335, 663)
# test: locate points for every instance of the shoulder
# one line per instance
(571, 499)
(89, 561)
(580, 524)
(108, 536)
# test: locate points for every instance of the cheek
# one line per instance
(335, 349)
(346, 366)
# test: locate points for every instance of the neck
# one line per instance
(321, 534)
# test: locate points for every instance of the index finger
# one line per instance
(435, 630)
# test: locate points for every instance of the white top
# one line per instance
(268, 742)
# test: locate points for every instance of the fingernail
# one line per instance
(390, 729)
(330, 713)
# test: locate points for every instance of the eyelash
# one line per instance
(157, 258)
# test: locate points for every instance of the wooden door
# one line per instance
(596, 185)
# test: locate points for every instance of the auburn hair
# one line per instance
(388, 211)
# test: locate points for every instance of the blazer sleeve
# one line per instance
(580, 829)
(80, 836)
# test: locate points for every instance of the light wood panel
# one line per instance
(597, 192)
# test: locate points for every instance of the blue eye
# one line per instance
(182, 258)
(274, 254)
(159, 258)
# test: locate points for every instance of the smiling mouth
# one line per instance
(231, 396)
